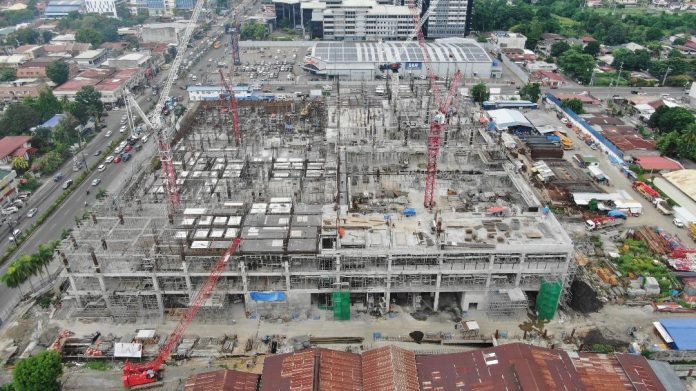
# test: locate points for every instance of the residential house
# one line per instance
(534, 66)
(91, 58)
(20, 88)
(14, 146)
(30, 51)
(505, 39)
(71, 48)
(519, 55)
(549, 79)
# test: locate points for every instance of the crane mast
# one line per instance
(439, 121)
(233, 109)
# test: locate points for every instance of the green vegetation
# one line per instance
(573, 104)
(531, 92)
(636, 260)
(255, 31)
(58, 72)
(577, 64)
(98, 365)
(480, 93)
(602, 348)
(96, 29)
(27, 266)
(677, 131)
(39, 372)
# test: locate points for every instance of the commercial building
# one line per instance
(91, 58)
(131, 60)
(355, 20)
(109, 81)
(362, 61)
(104, 7)
(8, 185)
(163, 32)
(21, 88)
(505, 39)
(60, 8)
(37, 67)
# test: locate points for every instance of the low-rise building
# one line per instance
(131, 60)
(505, 39)
(519, 55)
(91, 58)
(70, 88)
(30, 51)
(21, 88)
(163, 32)
(71, 48)
(12, 61)
(8, 185)
(535, 66)
(61, 8)
(37, 67)
(15, 146)
(548, 78)
(109, 81)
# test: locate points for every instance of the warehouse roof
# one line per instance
(222, 380)
(682, 331)
(658, 163)
(463, 50)
(507, 118)
(684, 180)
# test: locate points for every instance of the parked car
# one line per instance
(9, 210)
(96, 181)
(101, 167)
(678, 223)
(97, 152)
(128, 148)
(122, 129)
(67, 184)
(15, 234)
(109, 159)
(32, 212)
(117, 160)
(126, 157)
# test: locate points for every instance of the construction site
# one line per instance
(327, 197)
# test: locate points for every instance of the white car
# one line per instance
(96, 181)
(122, 129)
(101, 167)
(564, 120)
(109, 159)
(15, 234)
(32, 212)
(678, 223)
(108, 134)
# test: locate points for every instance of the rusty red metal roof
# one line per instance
(224, 380)
(339, 371)
(640, 373)
(389, 369)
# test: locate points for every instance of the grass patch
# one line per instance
(98, 365)
(609, 78)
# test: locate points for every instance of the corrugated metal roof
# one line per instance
(339, 371)
(682, 331)
(389, 369)
(223, 380)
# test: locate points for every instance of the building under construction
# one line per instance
(327, 196)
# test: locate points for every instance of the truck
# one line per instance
(597, 174)
(662, 206)
(645, 190)
(599, 223)
(566, 143)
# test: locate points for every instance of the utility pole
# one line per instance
(618, 75)
(669, 69)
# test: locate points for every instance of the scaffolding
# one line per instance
(509, 303)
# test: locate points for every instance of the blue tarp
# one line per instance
(616, 213)
(268, 296)
(682, 331)
(409, 212)
(53, 121)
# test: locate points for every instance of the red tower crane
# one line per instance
(135, 375)
(440, 119)
(236, 134)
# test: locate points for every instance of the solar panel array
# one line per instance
(389, 52)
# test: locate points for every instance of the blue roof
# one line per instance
(682, 331)
(53, 121)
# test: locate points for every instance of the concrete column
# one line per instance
(102, 285)
(338, 270)
(436, 300)
(245, 283)
(462, 303)
(187, 278)
(158, 295)
(286, 266)
(387, 291)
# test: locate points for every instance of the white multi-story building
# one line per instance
(104, 7)
(449, 18)
(365, 19)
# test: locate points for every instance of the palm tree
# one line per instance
(12, 279)
(27, 268)
(44, 255)
(688, 142)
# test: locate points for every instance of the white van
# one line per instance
(67, 184)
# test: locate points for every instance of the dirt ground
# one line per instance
(612, 321)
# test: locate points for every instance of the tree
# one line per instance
(667, 119)
(592, 48)
(616, 35)
(687, 142)
(559, 48)
(531, 92)
(574, 104)
(18, 118)
(653, 34)
(49, 162)
(19, 163)
(26, 36)
(576, 64)
(46, 36)
(8, 74)
(480, 93)
(46, 104)
(13, 277)
(87, 103)
(39, 372)
(27, 267)
(133, 42)
(668, 143)
(254, 30)
(89, 35)
(679, 41)
(44, 255)
(58, 72)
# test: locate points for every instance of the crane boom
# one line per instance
(133, 104)
(138, 374)
(174, 70)
(233, 110)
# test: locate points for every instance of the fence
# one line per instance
(578, 121)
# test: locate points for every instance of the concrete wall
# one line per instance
(159, 34)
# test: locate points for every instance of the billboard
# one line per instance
(413, 66)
